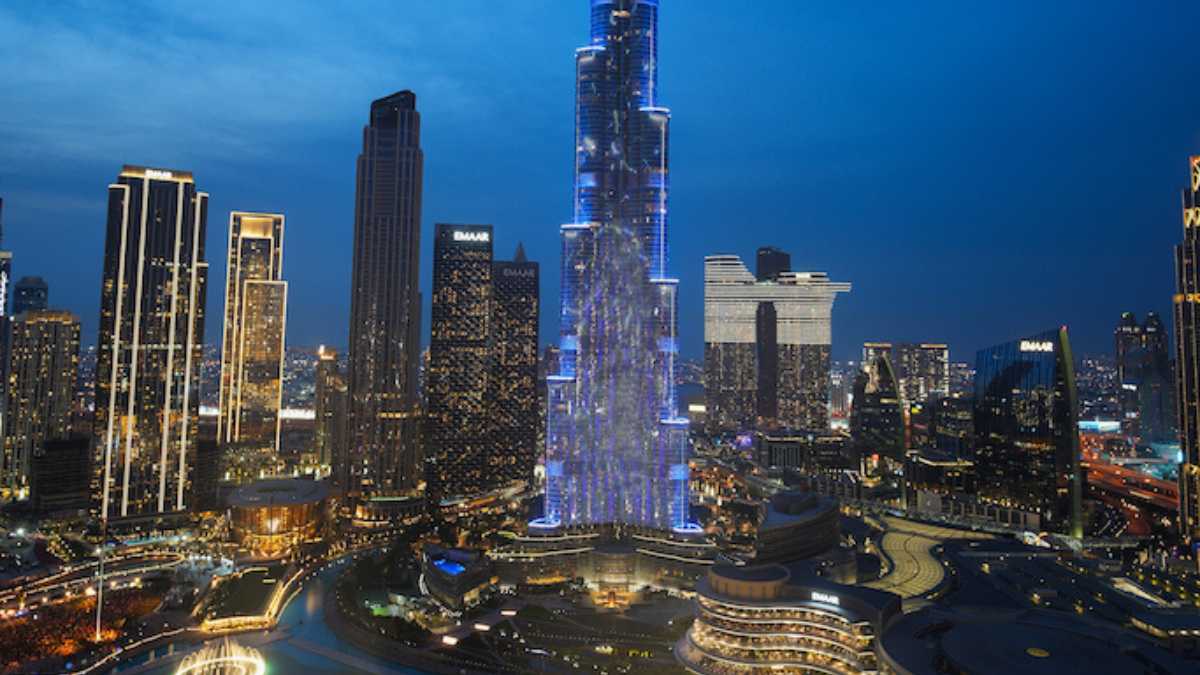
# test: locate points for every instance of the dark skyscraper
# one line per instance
(30, 293)
(385, 302)
(459, 455)
(329, 437)
(766, 345)
(1144, 375)
(151, 332)
(1026, 430)
(516, 417)
(771, 262)
(1187, 357)
(877, 415)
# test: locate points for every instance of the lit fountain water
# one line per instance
(223, 658)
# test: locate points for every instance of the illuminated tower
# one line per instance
(330, 404)
(151, 332)
(385, 300)
(1187, 357)
(616, 448)
(253, 336)
(516, 418)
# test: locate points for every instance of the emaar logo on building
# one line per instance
(1036, 346)
(481, 236)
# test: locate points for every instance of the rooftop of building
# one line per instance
(1027, 641)
(793, 507)
(279, 492)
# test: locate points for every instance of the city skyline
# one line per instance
(58, 189)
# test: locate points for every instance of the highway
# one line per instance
(909, 544)
(80, 579)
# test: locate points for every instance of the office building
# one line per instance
(155, 280)
(877, 413)
(60, 476)
(30, 293)
(459, 456)
(802, 304)
(330, 399)
(1026, 432)
(1187, 357)
(385, 300)
(517, 418)
(1145, 377)
(42, 369)
(252, 345)
(922, 369)
(771, 262)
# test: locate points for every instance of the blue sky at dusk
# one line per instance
(978, 171)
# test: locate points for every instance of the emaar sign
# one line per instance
(480, 236)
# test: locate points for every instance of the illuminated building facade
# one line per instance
(460, 459)
(272, 518)
(253, 337)
(1145, 377)
(330, 403)
(802, 303)
(1026, 431)
(516, 414)
(42, 368)
(1187, 357)
(149, 349)
(757, 620)
(616, 447)
(30, 293)
(877, 413)
(922, 369)
(385, 300)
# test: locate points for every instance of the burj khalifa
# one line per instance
(616, 447)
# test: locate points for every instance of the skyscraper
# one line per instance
(385, 300)
(922, 369)
(330, 403)
(253, 335)
(803, 305)
(460, 459)
(30, 293)
(771, 262)
(43, 365)
(151, 333)
(1187, 357)
(516, 415)
(1026, 429)
(616, 448)
(1145, 379)
(877, 413)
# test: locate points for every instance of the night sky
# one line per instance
(978, 171)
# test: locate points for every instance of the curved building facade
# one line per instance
(272, 518)
(752, 620)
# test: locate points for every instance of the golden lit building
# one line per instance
(43, 364)
(253, 336)
(272, 518)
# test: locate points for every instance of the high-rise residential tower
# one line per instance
(460, 459)
(330, 403)
(803, 305)
(151, 332)
(922, 369)
(30, 293)
(616, 447)
(877, 413)
(770, 262)
(253, 337)
(1187, 357)
(1144, 375)
(43, 365)
(1026, 430)
(516, 414)
(385, 301)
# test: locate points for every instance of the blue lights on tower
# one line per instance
(616, 447)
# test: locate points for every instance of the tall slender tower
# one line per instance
(330, 398)
(1187, 357)
(516, 420)
(151, 332)
(616, 447)
(385, 302)
(253, 336)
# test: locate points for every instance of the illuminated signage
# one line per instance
(826, 598)
(159, 174)
(1191, 216)
(482, 236)
(1037, 346)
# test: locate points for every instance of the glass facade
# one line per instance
(30, 293)
(516, 414)
(155, 281)
(877, 415)
(1026, 432)
(1187, 357)
(385, 300)
(252, 346)
(616, 449)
